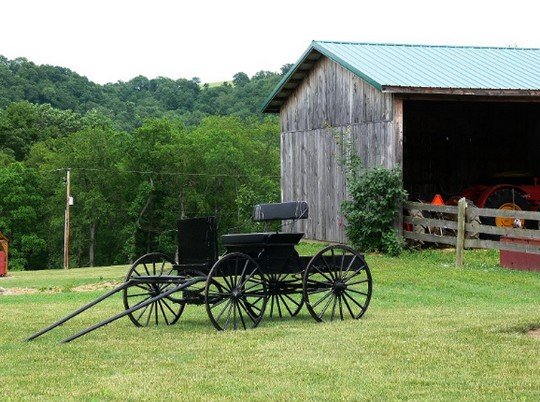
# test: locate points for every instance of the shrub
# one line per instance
(375, 198)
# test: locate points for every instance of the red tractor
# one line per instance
(516, 195)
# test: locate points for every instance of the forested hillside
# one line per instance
(142, 153)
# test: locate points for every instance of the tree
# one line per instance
(285, 68)
(240, 79)
(22, 216)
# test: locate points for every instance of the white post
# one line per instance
(460, 239)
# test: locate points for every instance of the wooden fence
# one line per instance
(460, 226)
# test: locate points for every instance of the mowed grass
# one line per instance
(432, 332)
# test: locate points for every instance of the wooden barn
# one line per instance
(451, 116)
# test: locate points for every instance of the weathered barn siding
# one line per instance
(329, 100)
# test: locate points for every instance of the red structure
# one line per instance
(4, 241)
(519, 259)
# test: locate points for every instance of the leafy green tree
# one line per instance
(240, 79)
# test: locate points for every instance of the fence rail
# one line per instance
(461, 226)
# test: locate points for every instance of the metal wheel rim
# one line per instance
(341, 292)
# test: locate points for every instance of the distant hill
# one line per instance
(129, 103)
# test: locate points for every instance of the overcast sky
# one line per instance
(111, 40)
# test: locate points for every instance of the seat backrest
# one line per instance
(281, 211)
(197, 240)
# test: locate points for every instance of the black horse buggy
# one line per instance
(258, 273)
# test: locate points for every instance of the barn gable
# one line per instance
(422, 69)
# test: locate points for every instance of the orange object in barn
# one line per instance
(437, 200)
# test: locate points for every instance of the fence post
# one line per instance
(460, 239)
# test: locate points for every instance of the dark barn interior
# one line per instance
(450, 145)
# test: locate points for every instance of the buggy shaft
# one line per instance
(80, 310)
(132, 309)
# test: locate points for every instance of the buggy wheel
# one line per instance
(337, 284)
(168, 309)
(236, 293)
(285, 295)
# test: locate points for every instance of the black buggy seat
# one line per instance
(270, 212)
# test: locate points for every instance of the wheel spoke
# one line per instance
(219, 302)
(240, 315)
(350, 264)
(330, 270)
(321, 299)
(272, 306)
(342, 263)
(236, 272)
(230, 285)
(243, 304)
(326, 306)
(224, 308)
(329, 279)
(356, 291)
(285, 304)
(162, 268)
(149, 315)
(333, 308)
(358, 283)
(279, 306)
(226, 324)
(143, 311)
(235, 327)
(316, 282)
(163, 313)
(253, 305)
(315, 291)
(356, 272)
(137, 295)
(340, 307)
(244, 269)
(354, 301)
(291, 299)
(169, 308)
(252, 287)
(348, 307)
(143, 287)
(249, 277)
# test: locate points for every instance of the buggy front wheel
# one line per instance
(167, 310)
(236, 293)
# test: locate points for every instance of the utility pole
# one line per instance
(66, 222)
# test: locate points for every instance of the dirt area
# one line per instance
(95, 286)
(535, 333)
(17, 291)
(83, 288)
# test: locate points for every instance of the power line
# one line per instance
(166, 173)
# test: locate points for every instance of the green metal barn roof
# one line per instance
(411, 68)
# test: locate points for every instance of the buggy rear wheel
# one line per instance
(236, 293)
(337, 284)
(285, 294)
(168, 309)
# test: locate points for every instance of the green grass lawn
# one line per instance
(432, 332)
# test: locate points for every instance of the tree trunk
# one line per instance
(92, 243)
